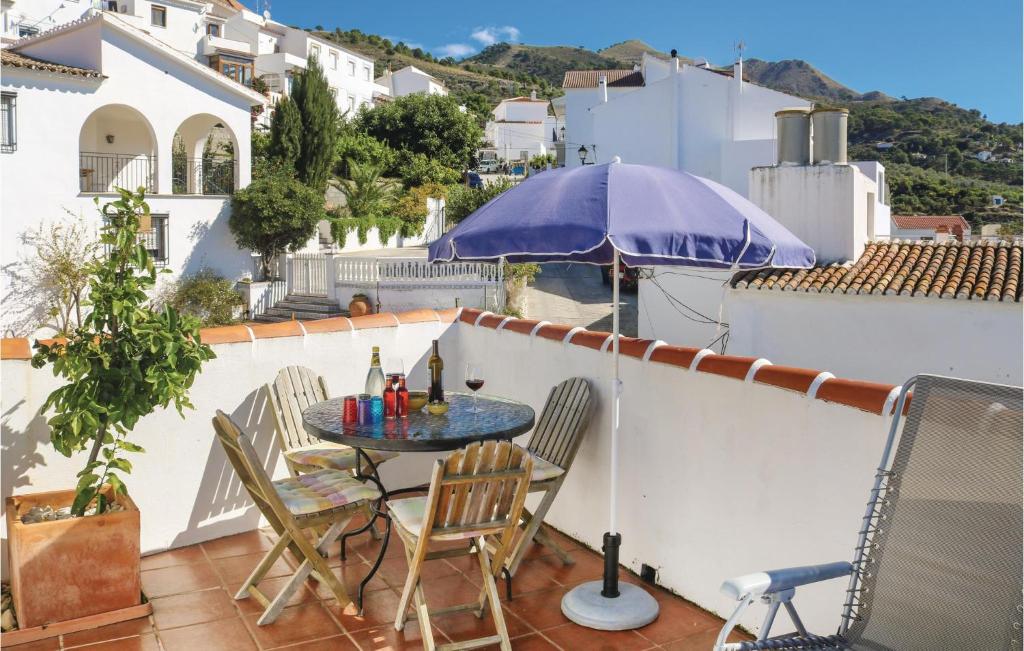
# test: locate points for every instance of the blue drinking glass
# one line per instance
(377, 409)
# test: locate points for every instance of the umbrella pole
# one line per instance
(604, 604)
(612, 539)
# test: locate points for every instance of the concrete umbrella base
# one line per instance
(633, 607)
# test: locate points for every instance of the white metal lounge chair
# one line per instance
(938, 560)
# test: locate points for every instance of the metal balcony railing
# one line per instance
(203, 175)
(102, 172)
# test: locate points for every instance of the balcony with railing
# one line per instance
(104, 171)
(207, 175)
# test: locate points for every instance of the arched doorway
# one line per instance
(117, 149)
(203, 157)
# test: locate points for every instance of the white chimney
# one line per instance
(737, 73)
(675, 61)
(602, 83)
(533, 94)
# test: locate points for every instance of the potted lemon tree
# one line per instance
(74, 554)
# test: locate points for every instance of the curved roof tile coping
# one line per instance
(868, 396)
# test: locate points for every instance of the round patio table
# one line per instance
(498, 419)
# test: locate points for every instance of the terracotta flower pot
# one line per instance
(359, 306)
(76, 568)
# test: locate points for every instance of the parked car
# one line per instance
(488, 166)
(473, 180)
(629, 277)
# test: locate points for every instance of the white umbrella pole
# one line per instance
(604, 604)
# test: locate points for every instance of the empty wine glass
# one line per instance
(474, 380)
(394, 366)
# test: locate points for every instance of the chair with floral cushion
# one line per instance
(296, 388)
(476, 494)
(316, 501)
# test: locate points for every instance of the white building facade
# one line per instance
(522, 129)
(99, 103)
(410, 80)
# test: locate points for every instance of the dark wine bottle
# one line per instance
(436, 367)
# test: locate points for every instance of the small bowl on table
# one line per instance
(417, 400)
(437, 408)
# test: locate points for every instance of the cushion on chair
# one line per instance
(409, 512)
(322, 490)
(544, 470)
(335, 457)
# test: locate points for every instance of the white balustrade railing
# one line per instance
(404, 283)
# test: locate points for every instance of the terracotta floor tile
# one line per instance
(223, 635)
(530, 577)
(193, 608)
(130, 628)
(144, 643)
(572, 636)
(541, 610)
(588, 566)
(677, 619)
(386, 638)
(236, 569)
(533, 642)
(467, 626)
(704, 640)
(179, 578)
(180, 556)
(336, 643)
(271, 587)
(49, 644)
(450, 591)
(296, 624)
(243, 543)
(379, 608)
(350, 575)
(394, 570)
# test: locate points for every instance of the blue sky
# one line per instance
(968, 53)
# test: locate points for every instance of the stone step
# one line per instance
(301, 315)
(315, 299)
(326, 308)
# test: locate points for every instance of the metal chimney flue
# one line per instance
(793, 137)
(829, 128)
(602, 83)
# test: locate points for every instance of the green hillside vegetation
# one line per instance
(928, 136)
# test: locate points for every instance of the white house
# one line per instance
(410, 80)
(903, 306)
(692, 117)
(98, 103)
(522, 128)
(931, 227)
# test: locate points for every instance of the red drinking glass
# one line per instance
(390, 397)
(402, 398)
(349, 411)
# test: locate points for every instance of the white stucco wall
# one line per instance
(708, 491)
(881, 338)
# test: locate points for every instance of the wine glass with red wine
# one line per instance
(474, 380)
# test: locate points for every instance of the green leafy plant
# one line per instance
(207, 296)
(319, 115)
(285, 145)
(463, 200)
(275, 214)
(125, 359)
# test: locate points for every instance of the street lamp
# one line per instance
(582, 151)
(562, 131)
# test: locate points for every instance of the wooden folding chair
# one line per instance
(294, 389)
(326, 499)
(553, 446)
(475, 493)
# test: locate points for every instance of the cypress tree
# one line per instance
(319, 130)
(285, 133)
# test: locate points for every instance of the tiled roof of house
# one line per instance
(977, 271)
(16, 60)
(952, 222)
(590, 78)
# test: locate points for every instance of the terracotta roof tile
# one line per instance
(955, 224)
(979, 271)
(590, 78)
(17, 60)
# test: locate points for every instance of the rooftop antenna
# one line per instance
(739, 46)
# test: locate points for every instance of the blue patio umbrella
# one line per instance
(640, 215)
